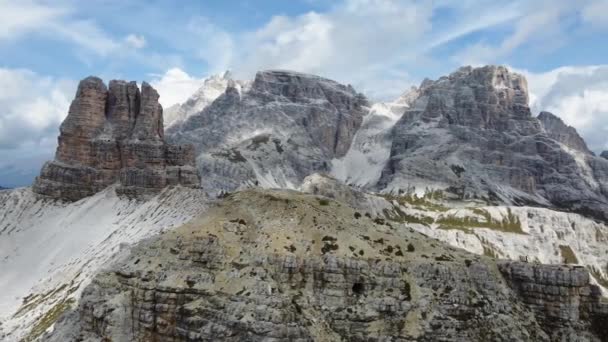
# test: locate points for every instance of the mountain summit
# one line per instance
(114, 135)
(211, 89)
(473, 134)
(284, 127)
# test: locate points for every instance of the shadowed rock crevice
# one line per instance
(114, 135)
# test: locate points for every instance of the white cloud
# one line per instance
(175, 86)
(214, 45)
(596, 13)
(19, 18)
(579, 95)
(361, 42)
(539, 22)
(31, 108)
(135, 41)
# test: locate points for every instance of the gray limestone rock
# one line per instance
(284, 127)
(559, 131)
(472, 133)
(282, 266)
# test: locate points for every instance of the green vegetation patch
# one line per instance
(509, 223)
(427, 202)
(33, 301)
(49, 318)
(323, 201)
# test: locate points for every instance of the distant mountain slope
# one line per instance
(211, 89)
(472, 133)
(286, 126)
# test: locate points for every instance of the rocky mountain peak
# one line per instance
(559, 131)
(114, 135)
(301, 267)
(280, 129)
(227, 75)
(472, 131)
(212, 88)
(299, 86)
(487, 97)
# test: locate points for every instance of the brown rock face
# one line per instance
(114, 134)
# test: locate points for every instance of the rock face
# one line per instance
(604, 154)
(559, 131)
(282, 266)
(211, 89)
(114, 134)
(561, 297)
(284, 127)
(472, 133)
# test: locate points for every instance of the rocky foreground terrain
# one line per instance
(280, 265)
(449, 214)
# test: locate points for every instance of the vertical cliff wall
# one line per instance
(114, 134)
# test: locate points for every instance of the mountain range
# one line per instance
(290, 207)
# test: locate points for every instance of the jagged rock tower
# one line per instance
(115, 134)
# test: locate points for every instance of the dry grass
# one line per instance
(49, 318)
(509, 223)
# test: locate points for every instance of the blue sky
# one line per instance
(381, 47)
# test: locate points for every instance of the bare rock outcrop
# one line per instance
(559, 131)
(604, 154)
(473, 134)
(283, 127)
(561, 297)
(283, 266)
(114, 134)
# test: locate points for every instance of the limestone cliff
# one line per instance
(274, 133)
(283, 266)
(114, 134)
(473, 134)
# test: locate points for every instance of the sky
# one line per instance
(381, 47)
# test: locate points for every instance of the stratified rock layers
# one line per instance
(472, 132)
(282, 266)
(114, 134)
(274, 133)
